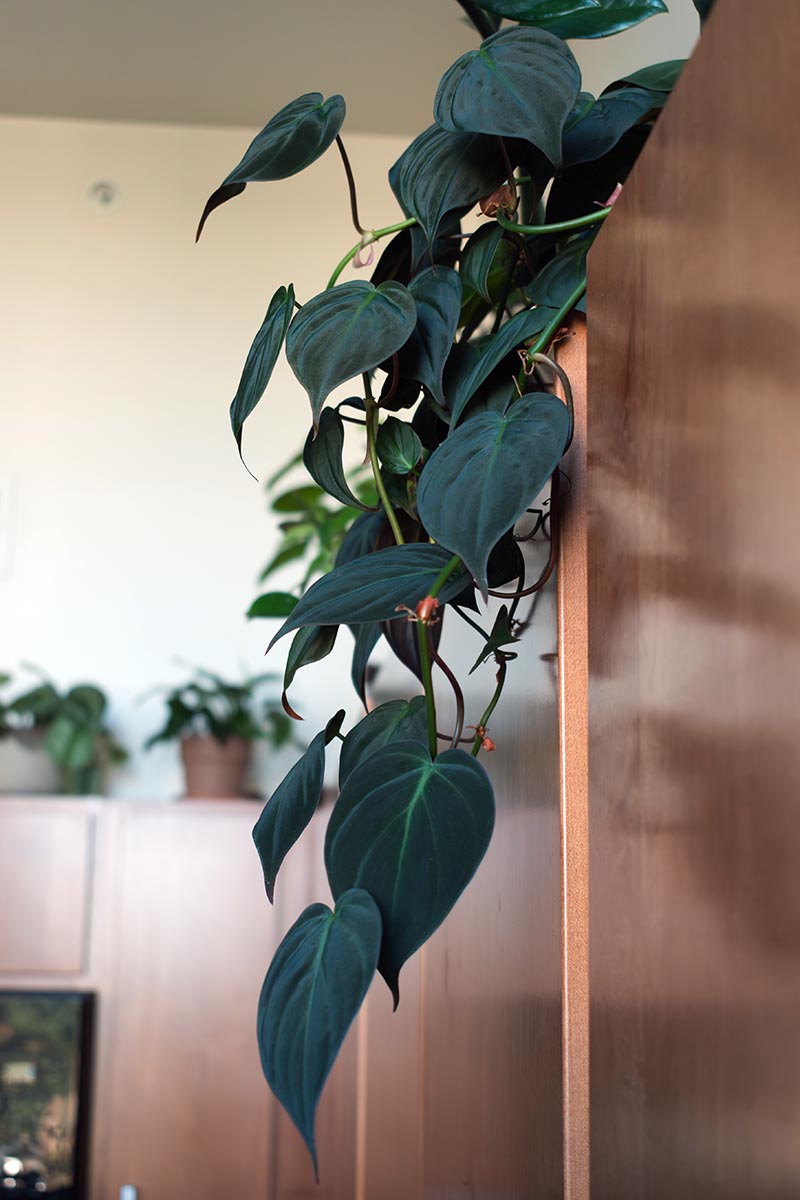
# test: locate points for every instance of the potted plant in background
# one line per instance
(56, 741)
(217, 724)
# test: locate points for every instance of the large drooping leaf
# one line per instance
(555, 283)
(294, 138)
(371, 588)
(411, 832)
(308, 646)
(442, 173)
(322, 457)
(482, 479)
(606, 121)
(395, 721)
(289, 810)
(437, 295)
(314, 987)
(346, 331)
(520, 83)
(261, 359)
(399, 448)
(366, 639)
(481, 357)
(578, 18)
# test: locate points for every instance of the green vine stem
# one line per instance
(491, 706)
(374, 235)
(372, 450)
(551, 330)
(444, 575)
(427, 683)
(557, 226)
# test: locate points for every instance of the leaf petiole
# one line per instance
(557, 226)
(374, 235)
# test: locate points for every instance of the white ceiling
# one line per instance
(210, 63)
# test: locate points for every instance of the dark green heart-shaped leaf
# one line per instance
(371, 588)
(273, 604)
(70, 744)
(555, 283)
(520, 83)
(486, 261)
(606, 121)
(500, 636)
(412, 832)
(308, 646)
(442, 173)
(578, 18)
(481, 357)
(437, 295)
(314, 987)
(366, 639)
(346, 331)
(294, 138)
(322, 456)
(659, 77)
(482, 479)
(399, 448)
(289, 810)
(395, 721)
(261, 359)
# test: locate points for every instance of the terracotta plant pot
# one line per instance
(215, 770)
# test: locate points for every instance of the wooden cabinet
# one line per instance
(160, 910)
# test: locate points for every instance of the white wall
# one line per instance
(137, 535)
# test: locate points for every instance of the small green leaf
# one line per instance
(411, 832)
(486, 474)
(295, 137)
(520, 83)
(659, 77)
(273, 604)
(577, 18)
(287, 554)
(371, 588)
(500, 636)
(556, 282)
(289, 810)
(366, 639)
(306, 499)
(308, 646)
(482, 356)
(346, 331)
(313, 990)
(486, 261)
(395, 721)
(399, 448)
(322, 456)
(437, 295)
(261, 359)
(442, 173)
(606, 121)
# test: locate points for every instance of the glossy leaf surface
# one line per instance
(412, 832)
(261, 359)
(442, 173)
(313, 990)
(482, 356)
(294, 138)
(520, 83)
(366, 637)
(308, 646)
(606, 121)
(361, 537)
(399, 448)
(659, 77)
(322, 458)
(395, 721)
(437, 295)
(371, 588)
(578, 18)
(289, 810)
(481, 253)
(554, 283)
(482, 479)
(345, 331)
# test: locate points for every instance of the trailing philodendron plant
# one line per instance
(446, 342)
